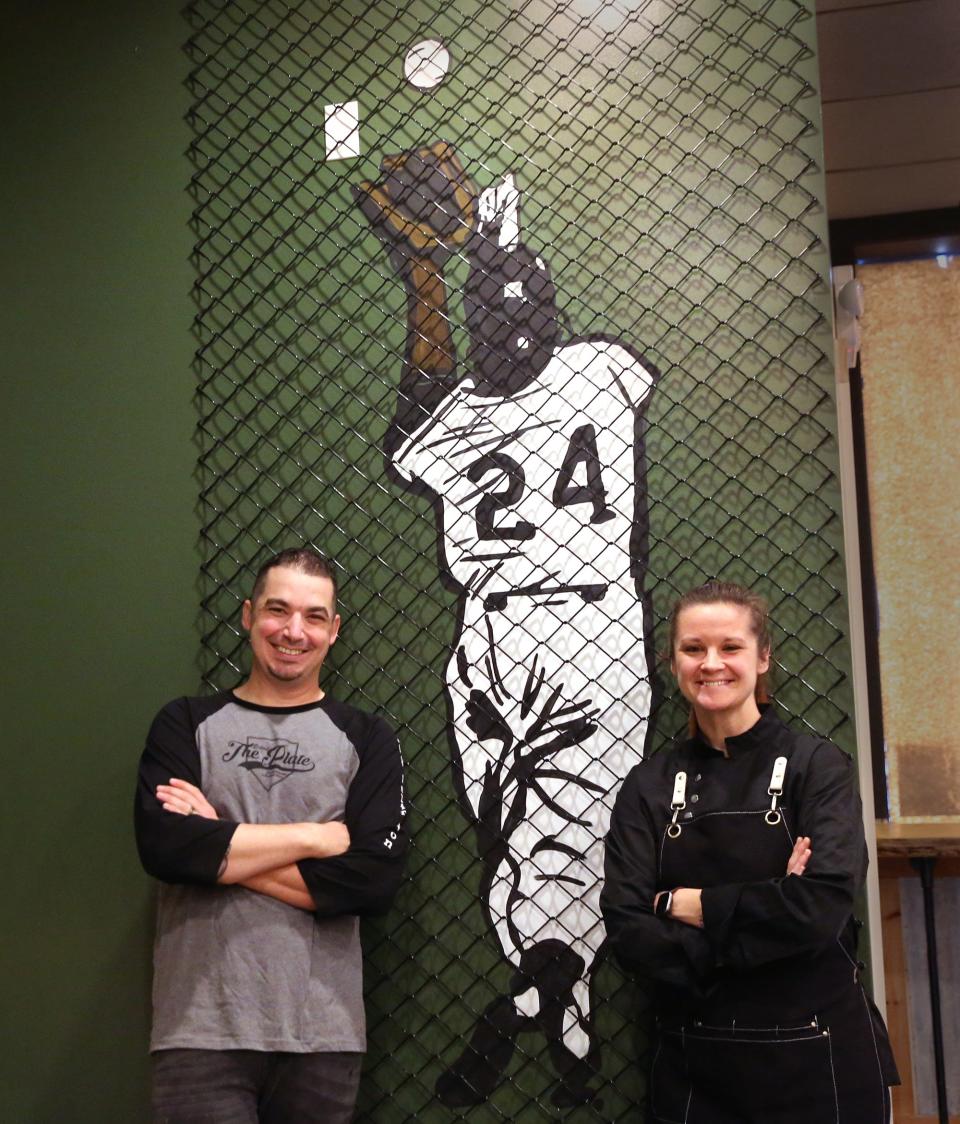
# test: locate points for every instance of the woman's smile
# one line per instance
(716, 661)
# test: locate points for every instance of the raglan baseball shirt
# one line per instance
(235, 969)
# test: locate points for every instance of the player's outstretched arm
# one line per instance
(423, 209)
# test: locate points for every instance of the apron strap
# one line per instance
(678, 803)
(775, 790)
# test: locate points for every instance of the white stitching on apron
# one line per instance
(683, 1043)
(813, 1024)
(815, 1037)
(735, 812)
(847, 954)
(656, 1112)
(876, 1054)
(761, 1042)
(833, 1076)
(653, 1069)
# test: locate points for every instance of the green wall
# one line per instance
(100, 598)
(99, 572)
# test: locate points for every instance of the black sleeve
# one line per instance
(172, 847)
(364, 879)
(755, 923)
(658, 947)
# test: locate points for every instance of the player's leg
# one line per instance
(478, 1070)
(546, 890)
(558, 975)
(482, 742)
(484, 687)
(542, 877)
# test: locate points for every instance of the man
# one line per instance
(274, 816)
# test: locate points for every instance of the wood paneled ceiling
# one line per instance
(890, 83)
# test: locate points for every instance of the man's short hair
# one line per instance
(302, 558)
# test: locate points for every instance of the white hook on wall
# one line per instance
(847, 310)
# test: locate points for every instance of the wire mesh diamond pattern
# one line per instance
(663, 162)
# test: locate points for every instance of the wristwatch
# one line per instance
(662, 908)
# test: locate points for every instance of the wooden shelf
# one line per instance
(917, 840)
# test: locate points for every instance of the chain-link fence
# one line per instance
(548, 350)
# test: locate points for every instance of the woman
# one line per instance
(732, 864)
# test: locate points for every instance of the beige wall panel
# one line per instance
(884, 191)
(842, 5)
(889, 49)
(911, 362)
(905, 129)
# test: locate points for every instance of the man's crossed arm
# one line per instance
(262, 857)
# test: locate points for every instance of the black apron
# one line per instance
(791, 1042)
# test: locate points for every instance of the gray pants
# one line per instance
(254, 1087)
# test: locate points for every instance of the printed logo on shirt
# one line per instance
(268, 759)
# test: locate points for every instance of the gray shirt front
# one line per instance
(234, 969)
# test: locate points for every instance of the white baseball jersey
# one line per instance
(538, 488)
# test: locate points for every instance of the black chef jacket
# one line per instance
(775, 950)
